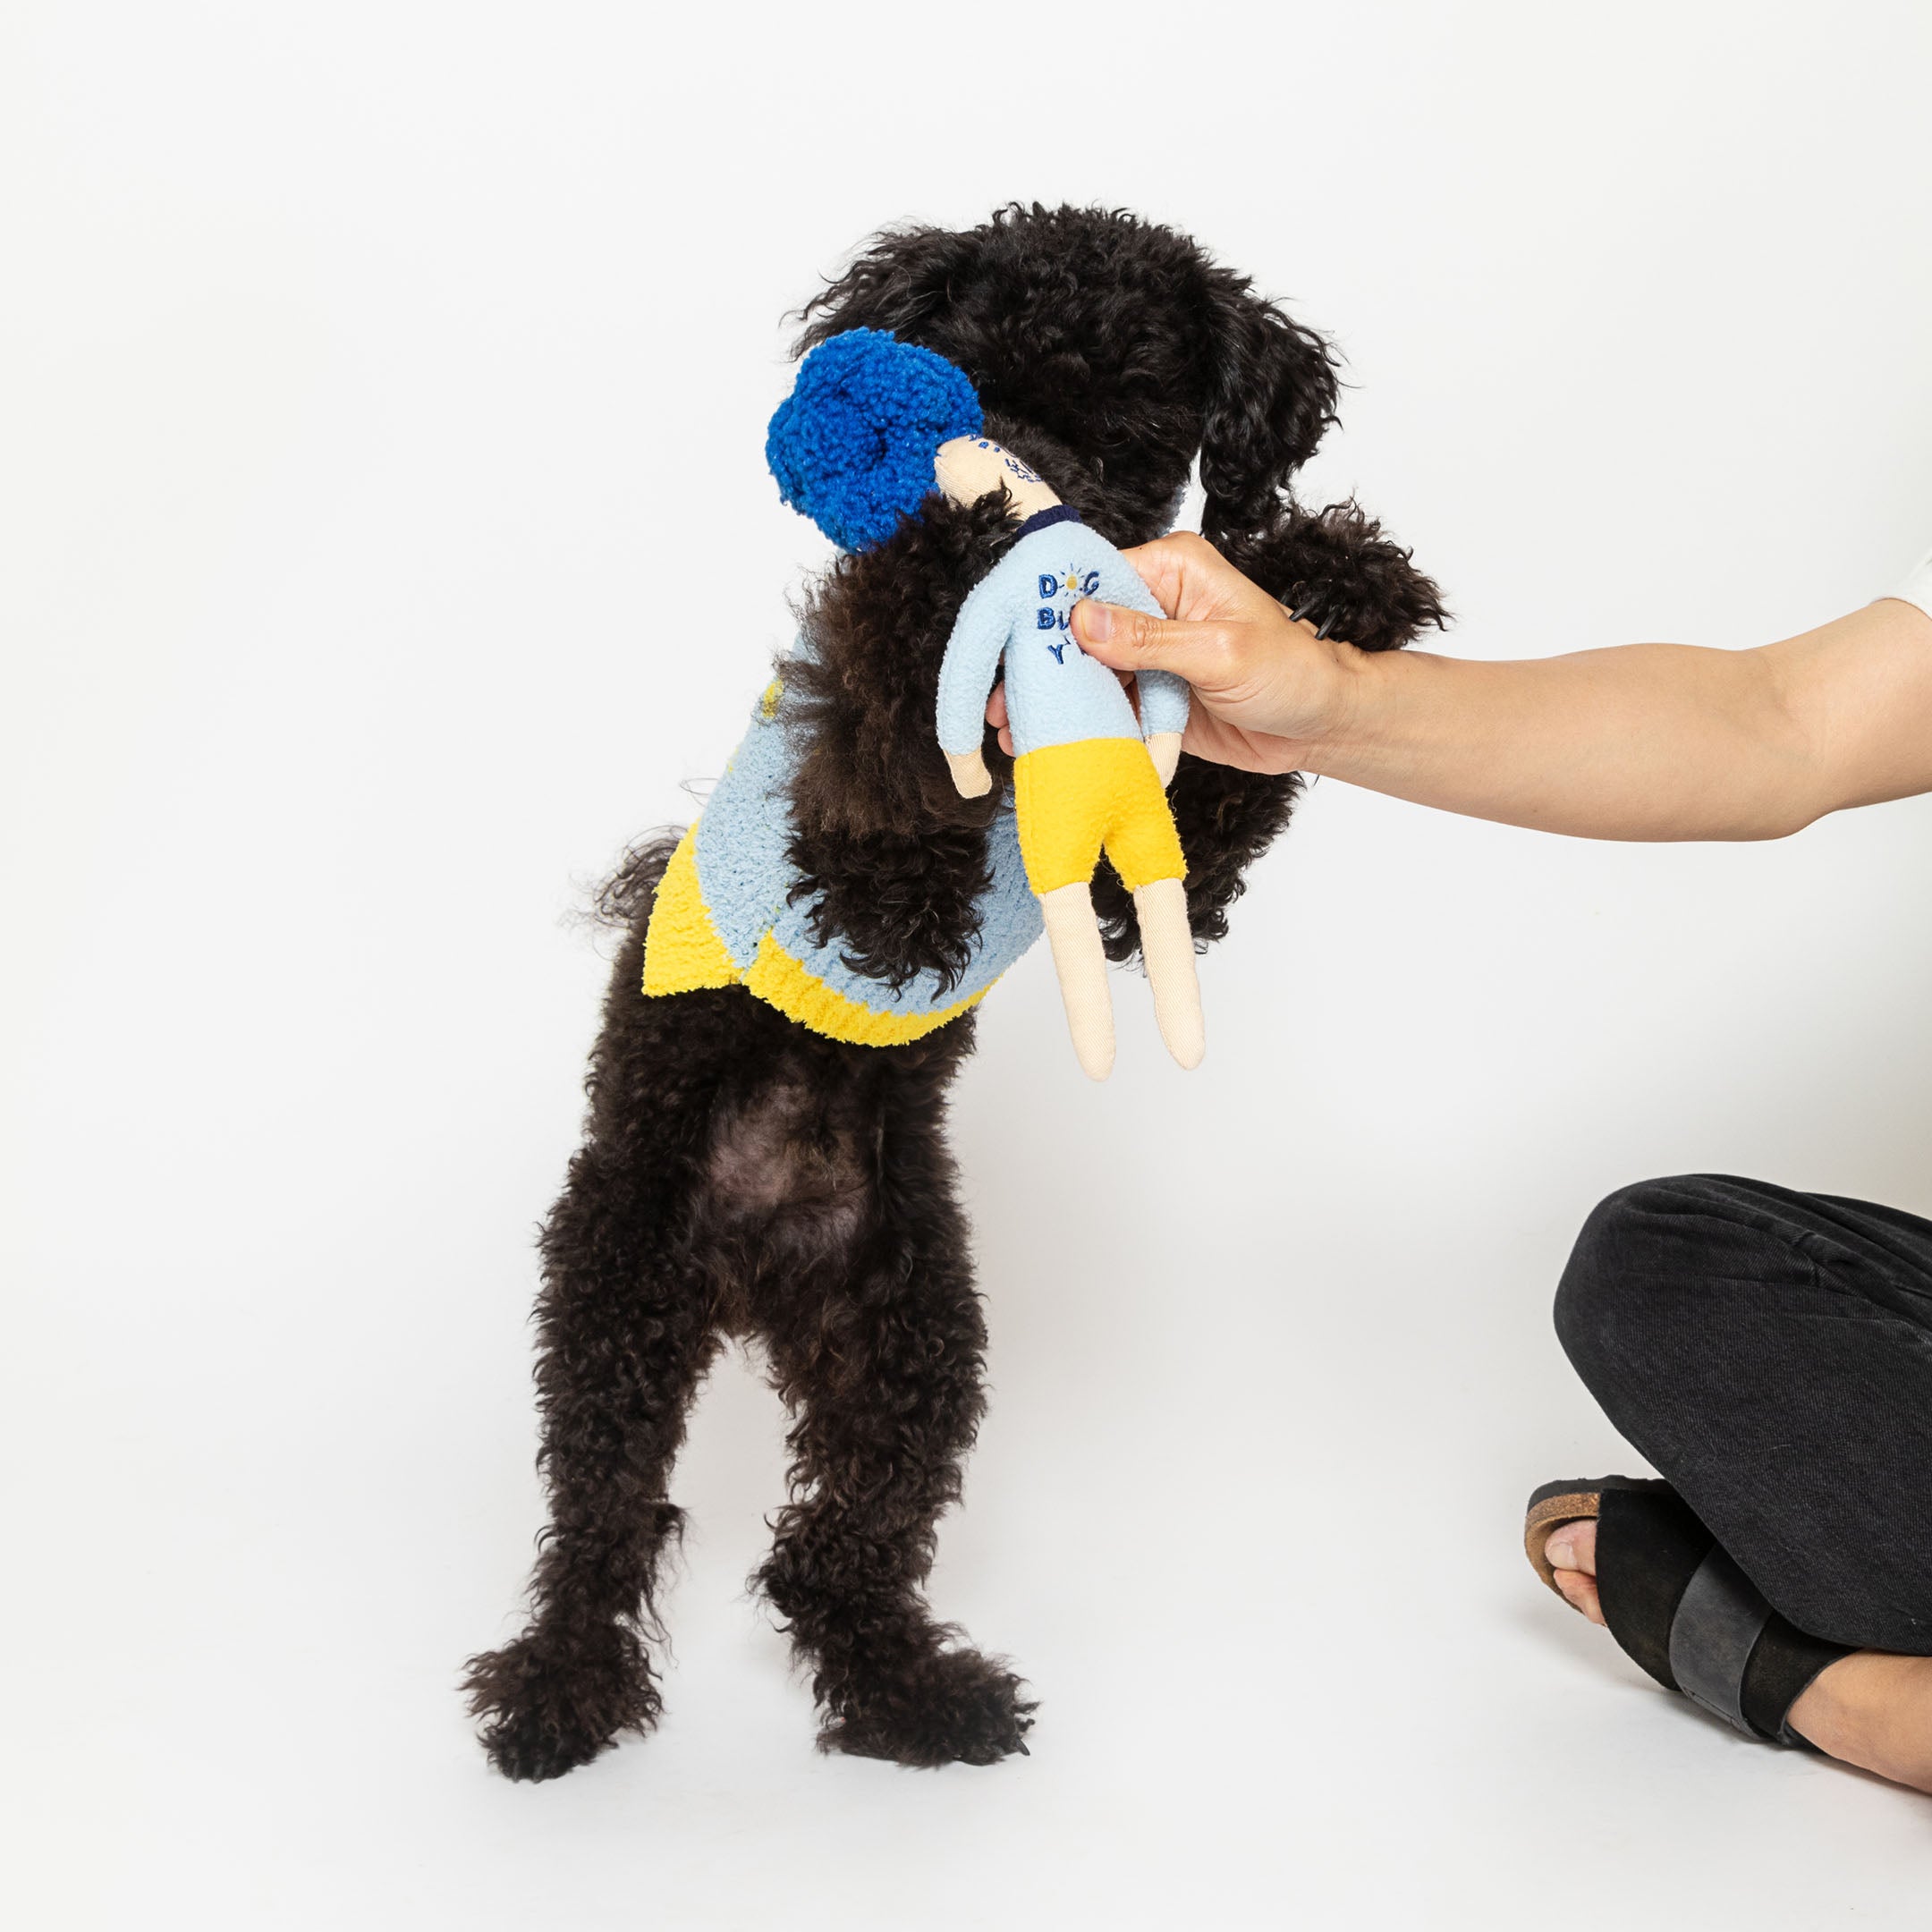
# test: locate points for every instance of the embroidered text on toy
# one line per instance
(1055, 615)
(1007, 458)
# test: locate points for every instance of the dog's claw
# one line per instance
(954, 1707)
(1302, 605)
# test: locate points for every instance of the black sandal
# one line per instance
(1682, 1610)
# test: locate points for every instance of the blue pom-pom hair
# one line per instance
(853, 445)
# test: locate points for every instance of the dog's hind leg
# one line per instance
(627, 1325)
(878, 1352)
(624, 1336)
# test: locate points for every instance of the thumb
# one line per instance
(1130, 640)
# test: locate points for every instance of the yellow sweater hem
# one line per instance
(682, 954)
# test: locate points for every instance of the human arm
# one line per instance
(1638, 741)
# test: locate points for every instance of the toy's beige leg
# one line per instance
(1167, 947)
(1074, 935)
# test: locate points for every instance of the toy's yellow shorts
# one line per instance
(1075, 800)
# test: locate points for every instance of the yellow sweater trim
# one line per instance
(683, 952)
(789, 985)
(681, 949)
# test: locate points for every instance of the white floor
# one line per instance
(1332, 1698)
(1247, 1521)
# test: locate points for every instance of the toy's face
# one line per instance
(1121, 457)
(1124, 513)
(967, 468)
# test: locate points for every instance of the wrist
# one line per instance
(1352, 688)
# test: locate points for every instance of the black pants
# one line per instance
(1770, 1353)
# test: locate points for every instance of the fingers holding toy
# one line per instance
(1194, 583)
(1265, 687)
(997, 717)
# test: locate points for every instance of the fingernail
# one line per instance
(1097, 620)
(1560, 1552)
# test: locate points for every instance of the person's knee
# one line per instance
(1633, 1260)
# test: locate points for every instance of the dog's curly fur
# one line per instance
(741, 1176)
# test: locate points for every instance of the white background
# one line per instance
(386, 540)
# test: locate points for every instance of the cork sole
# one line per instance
(1576, 1499)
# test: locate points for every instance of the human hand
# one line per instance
(1265, 687)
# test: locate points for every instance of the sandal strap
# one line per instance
(1680, 1606)
(1719, 1619)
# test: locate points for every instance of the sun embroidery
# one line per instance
(1055, 615)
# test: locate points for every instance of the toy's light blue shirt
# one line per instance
(1055, 693)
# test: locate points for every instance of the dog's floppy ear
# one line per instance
(900, 282)
(1270, 395)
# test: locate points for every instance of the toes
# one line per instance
(1571, 1554)
(1573, 1547)
(1579, 1591)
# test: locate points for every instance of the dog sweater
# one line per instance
(724, 916)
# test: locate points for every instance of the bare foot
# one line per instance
(1871, 1709)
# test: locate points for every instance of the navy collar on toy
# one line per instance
(1061, 513)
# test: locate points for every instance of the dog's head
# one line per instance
(1108, 351)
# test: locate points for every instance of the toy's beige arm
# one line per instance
(1165, 748)
(970, 777)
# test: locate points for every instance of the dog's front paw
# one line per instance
(552, 1700)
(947, 1707)
(1335, 569)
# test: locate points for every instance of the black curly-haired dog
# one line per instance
(743, 1175)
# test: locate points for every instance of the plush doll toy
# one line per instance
(872, 427)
